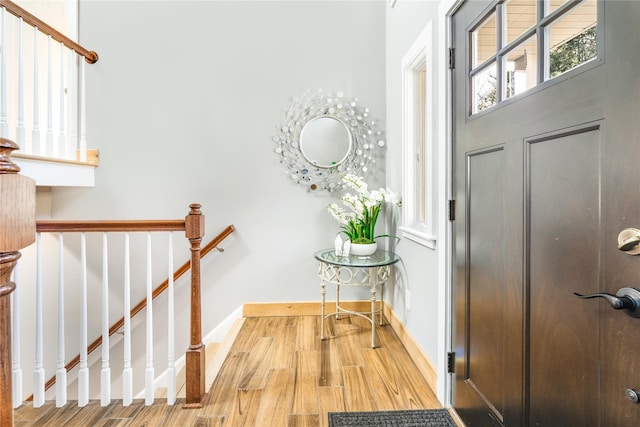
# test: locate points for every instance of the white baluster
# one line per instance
(127, 372)
(61, 150)
(171, 371)
(149, 373)
(83, 373)
(61, 370)
(20, 132)
(83, 118)
(49, 133)
(38, 373)
(72, 144)
(4, 127)
(16, 363)
(36, 143)
(105, 373)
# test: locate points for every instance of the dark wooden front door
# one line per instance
(544, 183)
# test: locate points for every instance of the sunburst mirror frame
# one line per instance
(366, 140)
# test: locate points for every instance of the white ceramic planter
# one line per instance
(360, 249)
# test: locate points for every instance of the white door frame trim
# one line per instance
(446, 9)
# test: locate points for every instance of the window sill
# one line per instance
(419, 237)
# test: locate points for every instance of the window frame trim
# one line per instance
(419, 55)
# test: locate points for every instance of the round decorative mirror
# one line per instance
(325, 141)
(323, 137)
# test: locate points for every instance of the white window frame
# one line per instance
(419, 56)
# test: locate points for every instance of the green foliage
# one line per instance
(488, 98)
(573, 52)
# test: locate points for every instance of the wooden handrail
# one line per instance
(91, 226)
(63, 226)
(90, 56)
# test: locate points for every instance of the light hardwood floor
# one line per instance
(277, 373)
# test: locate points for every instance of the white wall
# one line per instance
(182, 106)
(424, 268)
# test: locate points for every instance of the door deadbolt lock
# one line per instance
(629, 241)
(633, 395)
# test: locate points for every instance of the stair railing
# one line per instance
(58, 124)
(193, 226)
(118, 326)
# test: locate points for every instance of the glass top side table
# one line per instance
(372, 271)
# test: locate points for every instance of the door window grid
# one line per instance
(504, 46)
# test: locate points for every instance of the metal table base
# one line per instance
(372, 271)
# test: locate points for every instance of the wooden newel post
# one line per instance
(194, 230)
(17, 230)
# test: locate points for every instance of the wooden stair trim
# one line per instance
(216, 355)
(214, 364)
(93, 157)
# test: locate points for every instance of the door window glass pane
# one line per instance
(521, 69)
(567, 37)
(520, 15)
(573, 39)
(485, 89)
(484, 40)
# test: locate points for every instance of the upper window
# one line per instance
(417, 142)
(505, 45)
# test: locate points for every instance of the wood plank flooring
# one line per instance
(277, 373)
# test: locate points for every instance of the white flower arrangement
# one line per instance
(359, 221)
